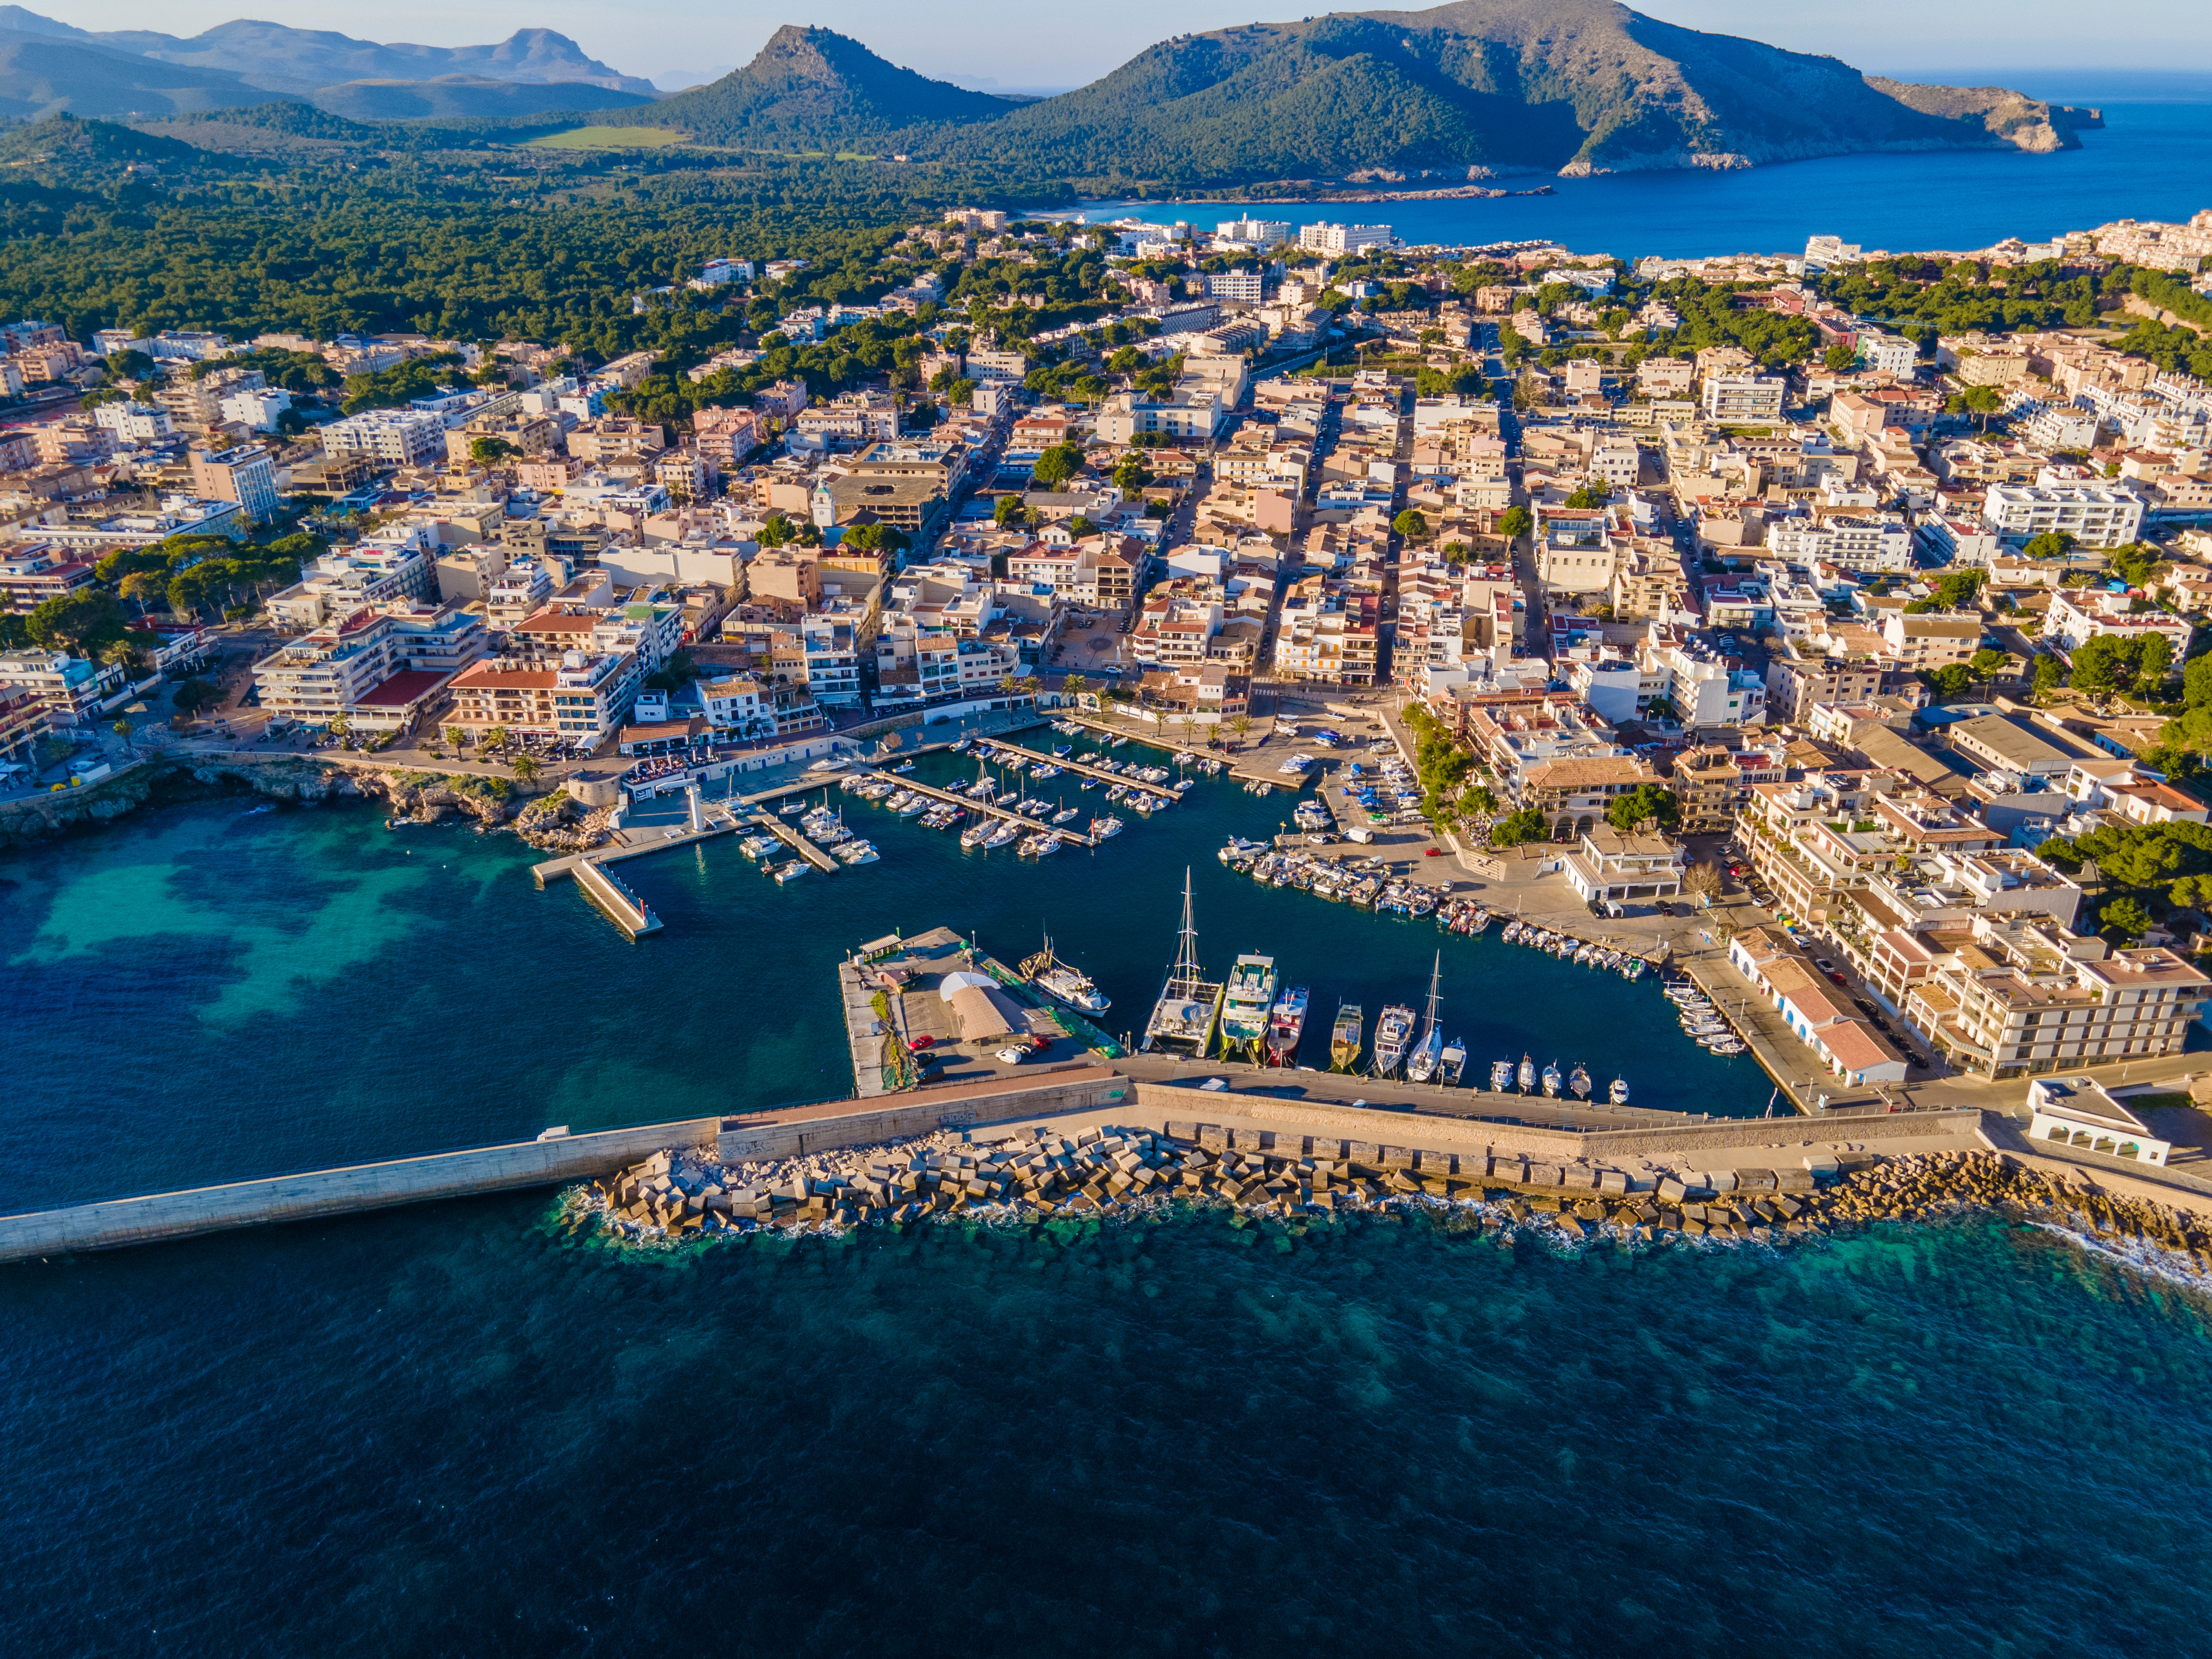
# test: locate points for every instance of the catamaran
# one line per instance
(1394, 1030)
(1188, 1007)
(1428, 1054)
(1245, 1006)
(1344, 1038)
(1285, 1025)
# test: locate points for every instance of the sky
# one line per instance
(1018, 46)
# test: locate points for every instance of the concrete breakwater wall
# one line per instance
(117, 1222)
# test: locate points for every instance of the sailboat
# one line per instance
(1343, 1037)
(1428, 1054)
(1188, 1007)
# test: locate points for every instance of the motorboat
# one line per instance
(1345, 1036)
(1454, 1062)
(1246, 1005)
(1578, 1082)
(1553, 1079)
(1394, 1035)
(1527, 1075)
(1501, 1075)
(1063, 983)
(1285, 1025)
(1619, 1094)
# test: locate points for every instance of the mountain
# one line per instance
(1464, 90)
(277, 56)
(458, 96)
(42, 73)
(813, 89)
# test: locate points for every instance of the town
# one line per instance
(1678, 583)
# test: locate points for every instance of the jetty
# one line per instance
(1068, 763)
(788, 834)
(950, 799)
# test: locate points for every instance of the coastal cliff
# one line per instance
(543, 816)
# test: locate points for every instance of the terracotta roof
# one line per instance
(408, 685)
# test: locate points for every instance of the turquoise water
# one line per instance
(2151, 161)
(449, 1429)
(210, 990)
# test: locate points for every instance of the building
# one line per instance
(581, 698)
(72, 691)
(1931, 639)
(1743, 397)
(2095, 515)
(24, 722)
(1821, 1015)
(1607, 866)
(244, 474)
(1247, 287)
(1327, 238)
(389, 437)
(2076, 1112)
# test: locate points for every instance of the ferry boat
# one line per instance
(1527, 1075)
(1578, 1082)
(1620, 1093)
(1246, 1005)
(1344, 1038)
(1551, 1080)
(1428, 1054)
(1454, 1062)
(1501, 1075)
(1188, 1007)
(1063, 983)
(1285, 1025)
(1393, 1031)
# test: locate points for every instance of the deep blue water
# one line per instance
(450, 1430)
(2152, 160)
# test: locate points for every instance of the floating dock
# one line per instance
(1011, 816)
(817, 855)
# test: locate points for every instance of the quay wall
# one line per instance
(116, 1222)
(798, 1131)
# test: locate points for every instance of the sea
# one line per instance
(455, 1430)
(2152, 160)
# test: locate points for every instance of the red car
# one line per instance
(922, 1042)
(1433, 852)
(1839, 980)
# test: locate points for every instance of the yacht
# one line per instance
(1285, 1025)
(857, 852)
(1004, 832)
(1551, 1080)
(1101, 828)
(1393, 1031)
(1578, 1082)
(1454, 1062)
(1063, 983)
(1188, 1007)
(1427, 1055)
(1343, 1037)
(973, 833)
(1501, 1075)
(1526, 1077)
(1620, 1093)
(1245, 1007)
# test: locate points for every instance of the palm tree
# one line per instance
(1008, 683)
(1075, 685)
(1241, 724)
(526, 768)
(123, 731)
(455, 736)
(494, 738)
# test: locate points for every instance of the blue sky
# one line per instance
(1019, 44)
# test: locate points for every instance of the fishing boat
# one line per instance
(1427, 1055)
(1578, 1082)
(1063, 983)
(1551, 1080)
(1285, 1025)
(1344, 1036)
(1619, 1091)
(1454, 1062)
(1245, 1007)
(1188, 1007)
(1527, 1075)
(1501, 1075)
(1394, 1032)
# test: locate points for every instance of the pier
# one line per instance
(1159, 790)
(789, 835)
(1080, 838)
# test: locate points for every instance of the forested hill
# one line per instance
(1573, 86)
(815, 88)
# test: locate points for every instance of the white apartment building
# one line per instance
(1731, 397)
(2095, 515)
(1327, 238)
(133, 423)
(1887, 353)
(390, 437)
(1882, 543)
(256, 406)
(582, 699)
(1247, 287)
(1261, 233)
(2081, 614)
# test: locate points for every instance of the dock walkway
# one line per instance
(1160, 791)
(1006, 812)
(789, 835)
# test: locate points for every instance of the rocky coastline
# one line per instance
(544, 817)
(678, 1196)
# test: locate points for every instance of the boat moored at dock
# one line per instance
(1246, 1004)
(1346, 1036)
(1285, 1025)
(1188, 1007)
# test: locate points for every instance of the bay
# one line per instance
(2152, 160)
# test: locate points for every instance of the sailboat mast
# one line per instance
(1436, 973)
(1186, 967)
